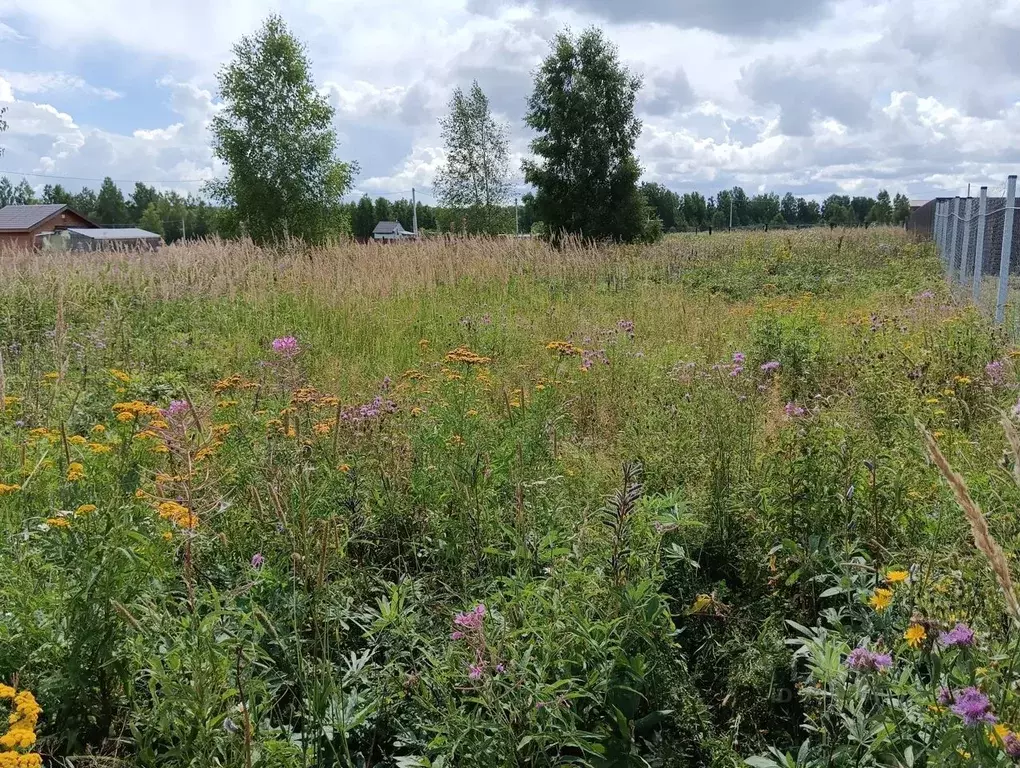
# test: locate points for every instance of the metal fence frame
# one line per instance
(951, 224)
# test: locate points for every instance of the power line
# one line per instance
(116, 181)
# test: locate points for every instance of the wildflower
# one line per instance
(57, 522)
(973, 707)
(960, 636)
(1011, 743)
(85, 509)
(345, 468)
(466, 356)
(881, 599)
(627, 326)
(257, 560)
(736, 370)
(176, 409)
(76, 440)
(99, 448)
(471, 620)
(322, 428)
(500, 668)
(997, 734)
(915, 635)
(458, 635)
(896, 577)
(860, 659)
(770, 366)
(793, 410)
(739, 358)
(125, 416)
(120, 375)
(996, 372)
(475, 670)
(5, 489)
(75, 472)
(177, 514)
(286, 347)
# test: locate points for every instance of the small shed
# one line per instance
(21, 226)
(127, 238)
(391, 230)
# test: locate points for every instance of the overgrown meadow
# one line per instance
(486, 503)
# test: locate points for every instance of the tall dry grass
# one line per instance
(238, 269)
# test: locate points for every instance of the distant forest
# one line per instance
(175, 216)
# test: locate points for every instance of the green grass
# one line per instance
(586, 500)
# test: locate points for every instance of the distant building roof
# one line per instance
(918, 203)
(389, 228)
(123, 233)
(18, 218)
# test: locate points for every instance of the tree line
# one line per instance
(276, 138)
(733, 207)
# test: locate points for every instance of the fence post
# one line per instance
(968, 210)
(979, 250)
(940, 229)
(1007, 249)
(951, 245)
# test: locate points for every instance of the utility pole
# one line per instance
(184, 231)
(517, 219)
(414, 214)
(731, 210)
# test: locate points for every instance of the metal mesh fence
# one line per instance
(978, 239)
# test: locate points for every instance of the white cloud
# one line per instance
(42, 82)
(810, 95)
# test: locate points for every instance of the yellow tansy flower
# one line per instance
(75, 472)
(896, 577)
(85, 509)
(57, 522)
(915, 635)
(881, 599)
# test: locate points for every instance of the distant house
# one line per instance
(128, 238)
(22, 226)
(391, 230)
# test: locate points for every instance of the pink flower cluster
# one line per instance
(286, 347)
(470, 627)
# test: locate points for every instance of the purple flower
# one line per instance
(176, 409)
(286, 347)
(475, 670)
(793, 410)
(945, 696)
(770, 366)
(500, 668)
(860, 659)
(996, 372)
(1012, 745)
(627, 326)
(738, 358)
(973, 707)
(257, 561)
(737, 370)
(456, 636)
(471, 620)
(960, 636)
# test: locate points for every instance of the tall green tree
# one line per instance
(882, 211)
(111, 209)
(6, 192)
(141, 198)
(364, 219)
(85, 202)
(789, 208)
(901, 208)
(275, 134)
(476, 174)
(584, 171)
(695, 211)
(383, 209)
(56, 194)
(24, 194)
(151, 220)
(665, 203)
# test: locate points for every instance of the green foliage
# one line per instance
(276, 136)
(644, 470)
(475, 179)
(582, 109)
(110, 210)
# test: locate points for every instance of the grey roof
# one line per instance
(14, 218)
(388, 228)
(123, 233)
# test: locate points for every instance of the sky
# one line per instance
(810, 96)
